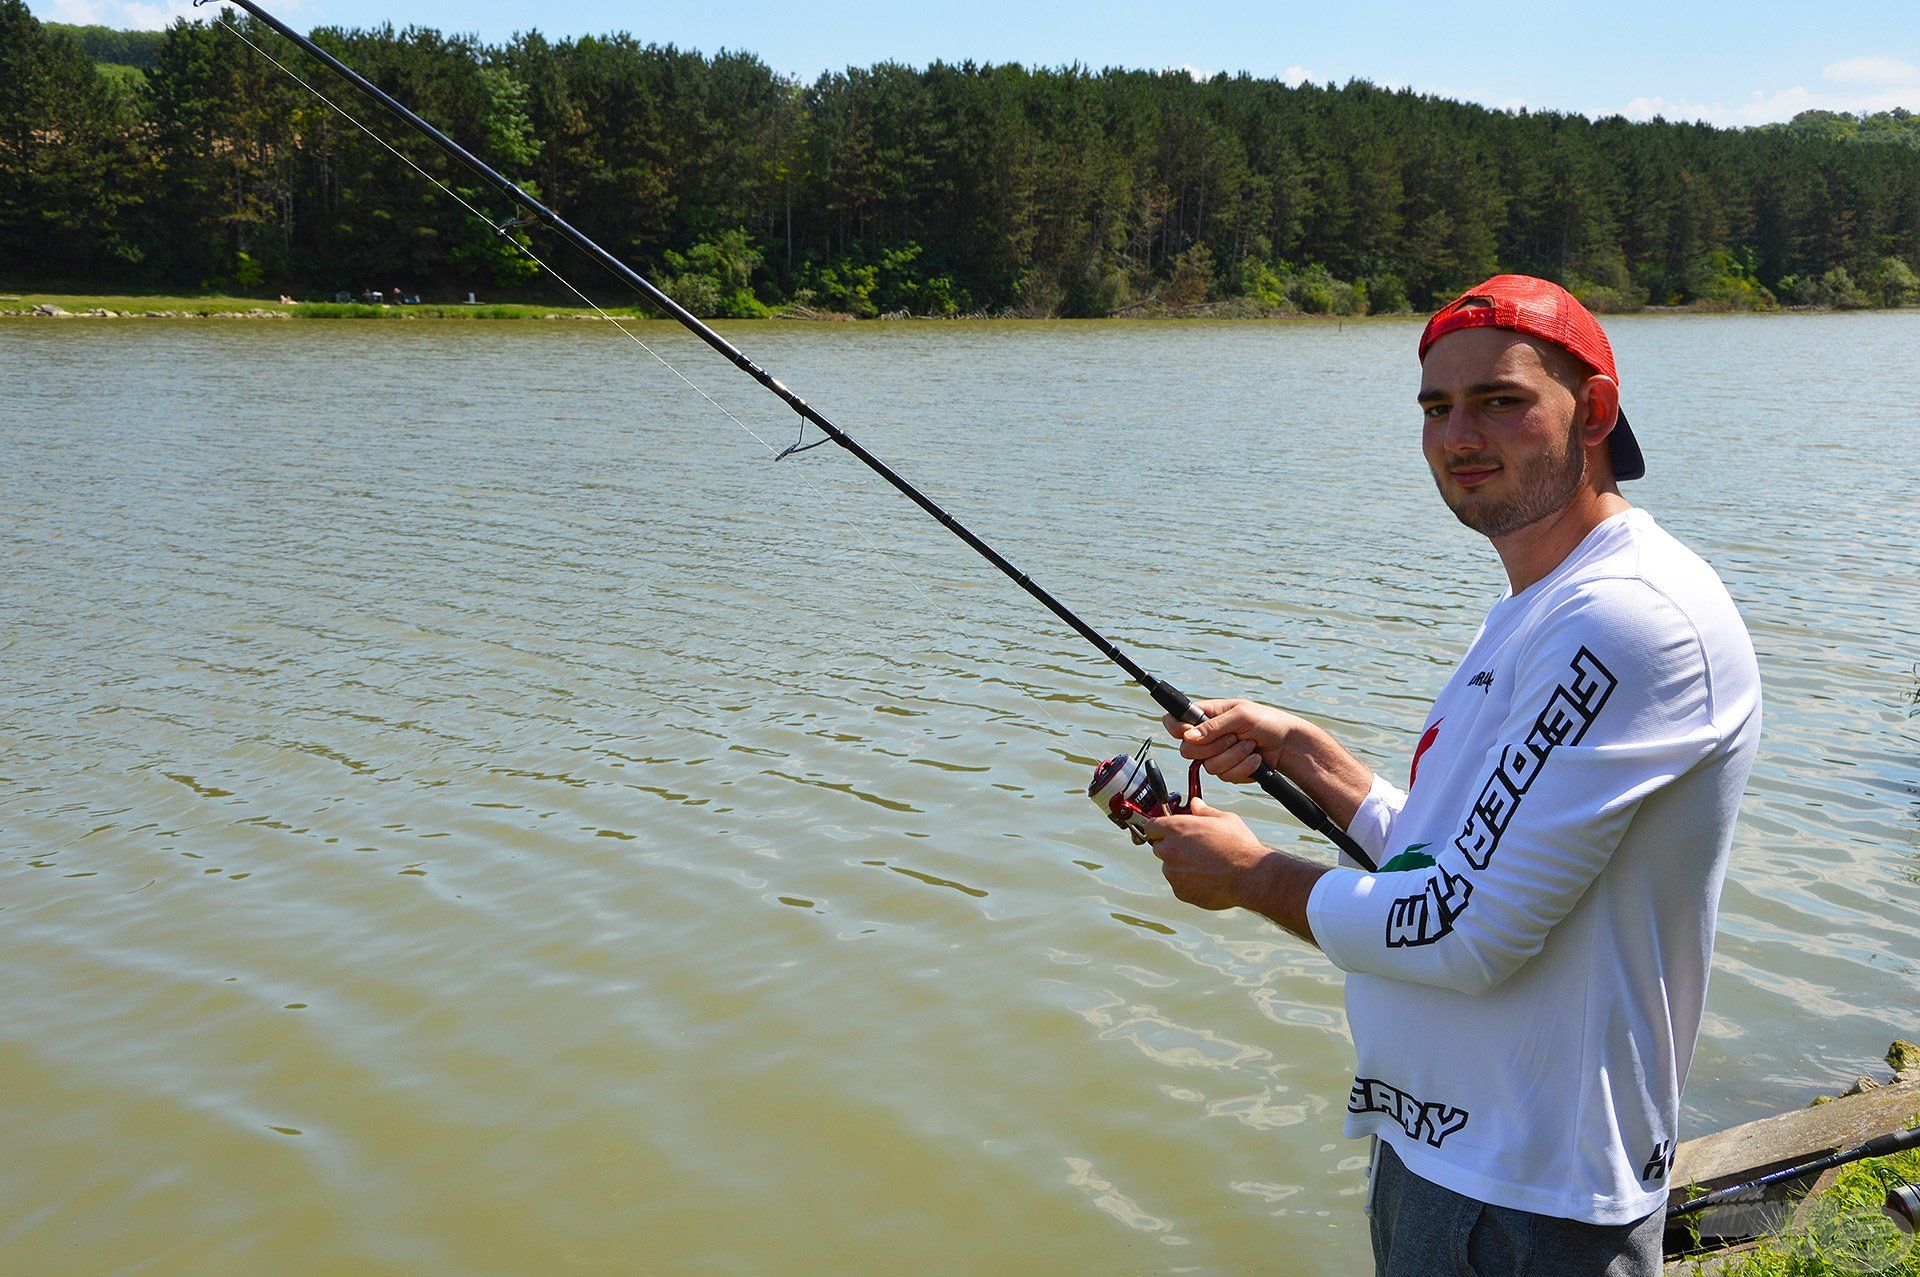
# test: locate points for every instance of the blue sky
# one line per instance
(1726, 63)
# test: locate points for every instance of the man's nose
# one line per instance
(1462, 431)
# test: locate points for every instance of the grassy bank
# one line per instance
(1846, 1235)
(227, 305)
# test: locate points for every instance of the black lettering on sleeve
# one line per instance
(1430, 914)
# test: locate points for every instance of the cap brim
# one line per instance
(1624, 450)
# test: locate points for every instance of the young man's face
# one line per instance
(1500, 433)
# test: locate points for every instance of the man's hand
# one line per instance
(1208, 856)
(1236, 738)
(1211, 859)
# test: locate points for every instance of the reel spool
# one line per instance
(1903, 1206)
(1129, 789)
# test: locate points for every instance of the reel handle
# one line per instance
(1302, 808)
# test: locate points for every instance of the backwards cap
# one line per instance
(1541, 308)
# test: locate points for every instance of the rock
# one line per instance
(1903, 1055)
(1860, 1086)
(50, 310)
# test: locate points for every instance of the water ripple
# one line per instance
(464, 809)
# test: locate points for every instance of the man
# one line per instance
(1527, 970)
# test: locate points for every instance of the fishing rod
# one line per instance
(1879, 1146)
(1165, 694)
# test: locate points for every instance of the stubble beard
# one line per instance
(1543, 489)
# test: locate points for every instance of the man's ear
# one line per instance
(1601, 397)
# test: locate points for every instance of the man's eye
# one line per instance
(1433, 410)
(1501, 401)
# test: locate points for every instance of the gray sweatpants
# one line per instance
(1421, 1229)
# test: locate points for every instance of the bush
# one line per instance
(1891, 282)
(1606, 299)
(1837, 289)
(1259, 283)
(1387, 295)
(1794, 290)
(1192, 279)
(1313, 290)
(1603, 283)
(1317, 292)
(1728, 281)
(1104, 291)
(714, 278)
(866, 282)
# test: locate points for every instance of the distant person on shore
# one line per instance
(1528, 969)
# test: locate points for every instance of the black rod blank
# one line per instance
(1879, 1146)
(1169, 697)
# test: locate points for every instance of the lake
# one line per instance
(465, 807)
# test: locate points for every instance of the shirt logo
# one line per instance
(1659, 1164)
(1483, 680)
(1420, 1119)
(1430, 913)
(1427, 738)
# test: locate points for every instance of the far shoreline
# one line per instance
(61, 306)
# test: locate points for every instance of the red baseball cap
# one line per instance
(1541, 308)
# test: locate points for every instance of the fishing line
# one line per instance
(503, 228)
(1170, 698)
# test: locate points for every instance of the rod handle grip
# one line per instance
(1177, 703)
(1893, 1142)
(1303, 809)
(1311, 814)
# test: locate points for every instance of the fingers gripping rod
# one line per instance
(1169, 697)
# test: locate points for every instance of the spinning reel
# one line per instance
(1129, 790)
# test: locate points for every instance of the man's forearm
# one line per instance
(1277, 888)
(1332, 777)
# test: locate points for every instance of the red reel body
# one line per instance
(1129, 789)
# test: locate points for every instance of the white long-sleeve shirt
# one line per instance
(1526, 997)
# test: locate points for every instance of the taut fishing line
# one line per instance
(1135, 782)
(511, 223)
(504, 229)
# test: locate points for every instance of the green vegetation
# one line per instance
(139, 49)
(1898, 126)
(1846, 1233)
(944, 190)
(226, 304)
(138, 303)
(494, 310)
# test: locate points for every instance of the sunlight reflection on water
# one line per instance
(466, 809)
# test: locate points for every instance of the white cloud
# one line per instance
(137, 15)
(1493, 101)
(1878, 72)
(78, 12)
(1855, 85)
(152, 17)
(1293, 75)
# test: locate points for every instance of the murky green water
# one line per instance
(462, 808)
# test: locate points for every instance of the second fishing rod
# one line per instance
(1170, 698)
